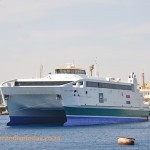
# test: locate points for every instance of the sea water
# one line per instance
(97, 137)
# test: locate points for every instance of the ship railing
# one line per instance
(9, 83)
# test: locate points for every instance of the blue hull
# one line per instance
(35, 120)
(62, 117)
(53, 117)
(73, 121)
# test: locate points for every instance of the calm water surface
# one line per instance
(99, 137)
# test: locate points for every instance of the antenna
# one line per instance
(91, 69)
(96, 68)
(41, 70)
(143, 80)
(73, 62)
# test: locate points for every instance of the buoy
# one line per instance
(126, 141)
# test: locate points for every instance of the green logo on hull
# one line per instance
(101, 98)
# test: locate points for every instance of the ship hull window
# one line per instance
(127, 102)
(43, 83)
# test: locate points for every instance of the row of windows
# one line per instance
(88, 84)
(108, 85)
(69, 71)
(37, 83)
(146, 93)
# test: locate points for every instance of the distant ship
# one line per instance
(144, 88)
(70, 97)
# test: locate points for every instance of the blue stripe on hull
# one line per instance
(16, 120)
(34, 116)
(73, 121)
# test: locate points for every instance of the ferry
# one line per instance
(70, 97)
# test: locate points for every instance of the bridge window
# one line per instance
(69, 71)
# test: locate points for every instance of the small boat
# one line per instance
(126, 141)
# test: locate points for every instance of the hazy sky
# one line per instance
(56, 32)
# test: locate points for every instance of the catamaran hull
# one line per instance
(71, 116)
(37, 105)
(59, 117)
(34, 106)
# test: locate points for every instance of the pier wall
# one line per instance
(1, 102)
(2, 107)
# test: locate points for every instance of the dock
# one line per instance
(3, 110)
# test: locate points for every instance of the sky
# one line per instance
(114, 34)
